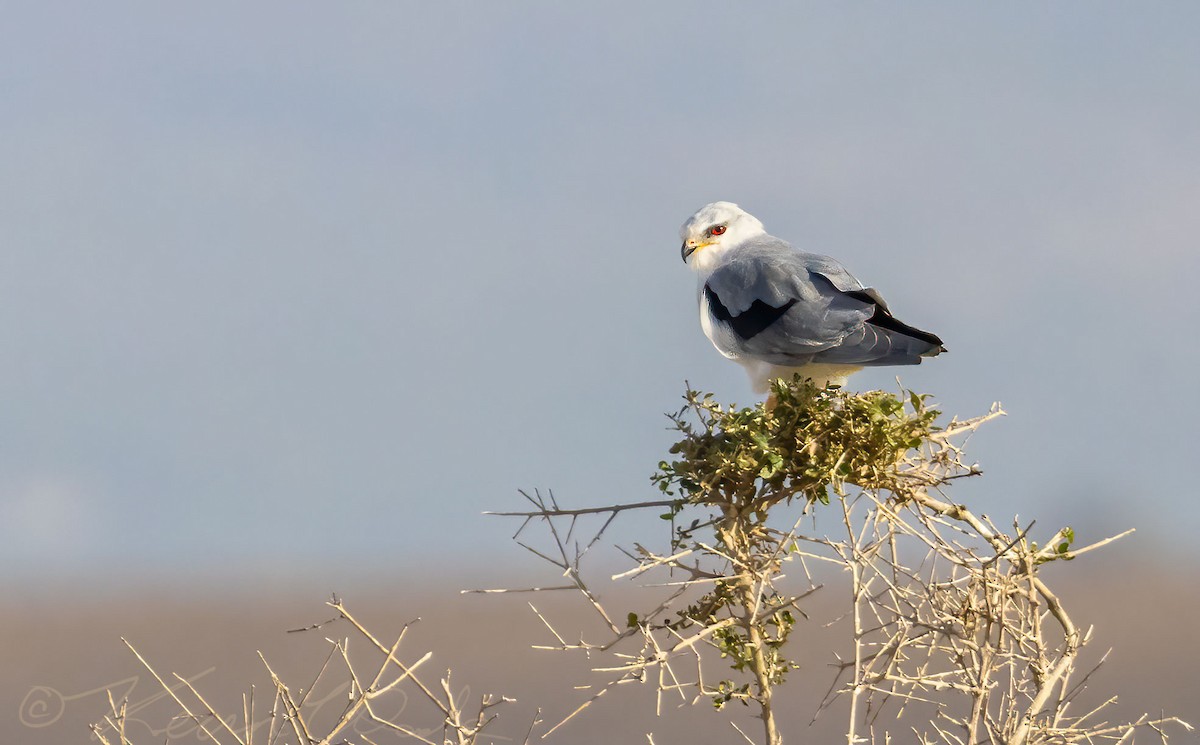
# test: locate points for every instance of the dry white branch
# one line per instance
(366, 683)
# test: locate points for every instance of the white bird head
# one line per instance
(714, 229)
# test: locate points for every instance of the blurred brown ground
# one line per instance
(61, 652)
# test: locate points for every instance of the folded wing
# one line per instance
(781, 306)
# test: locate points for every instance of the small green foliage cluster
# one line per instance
(809, 441)
(1064, 540)
(733, 642)
(734, 645)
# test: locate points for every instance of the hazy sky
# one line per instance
(294, 286)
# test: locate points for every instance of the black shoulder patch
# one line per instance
(885, 320)
(753, 321)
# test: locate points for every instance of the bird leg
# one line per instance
(771, 402)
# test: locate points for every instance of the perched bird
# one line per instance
(776, 310)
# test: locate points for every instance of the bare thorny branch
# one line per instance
(291, 718)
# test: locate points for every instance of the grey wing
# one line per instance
(773, 303)
(785, 307)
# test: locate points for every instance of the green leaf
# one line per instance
(1068, 539)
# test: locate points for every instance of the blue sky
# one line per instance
(288, 285)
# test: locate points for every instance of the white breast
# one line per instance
(708, 323)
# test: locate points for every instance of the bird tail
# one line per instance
(883, 339)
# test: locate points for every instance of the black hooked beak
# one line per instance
(685, 251)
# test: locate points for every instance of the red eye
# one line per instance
(716, 230)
